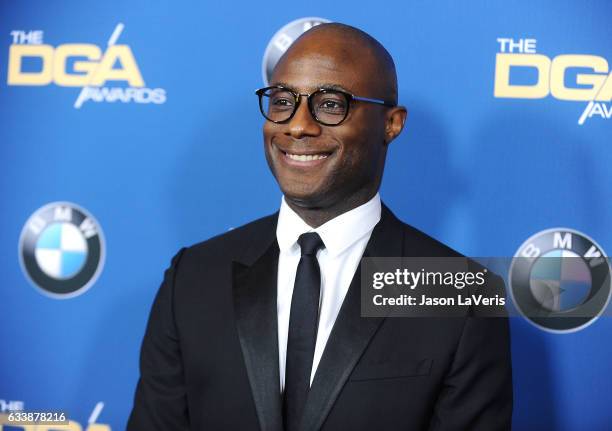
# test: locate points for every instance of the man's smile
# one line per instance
(306, 157)
(303, 158)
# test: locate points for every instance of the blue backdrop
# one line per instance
(182, 160)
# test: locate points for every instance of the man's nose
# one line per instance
(302, 123)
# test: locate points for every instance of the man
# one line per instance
(260, 328)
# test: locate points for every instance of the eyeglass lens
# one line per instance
(327, 106)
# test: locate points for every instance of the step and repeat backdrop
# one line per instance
(131, 129)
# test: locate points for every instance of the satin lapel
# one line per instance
(351, 333)
(256, 319)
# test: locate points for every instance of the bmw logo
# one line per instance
(560, 280)
(61, 250)
(282, 40)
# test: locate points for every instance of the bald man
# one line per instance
(260, 328)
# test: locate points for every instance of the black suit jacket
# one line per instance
(209, 358)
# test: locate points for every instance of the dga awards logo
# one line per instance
(61, 250)
(34, 63)
(282, 40)
(560, 280)
(522, 73)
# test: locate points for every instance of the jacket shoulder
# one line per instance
(428, 245)
(418, 243)
(235, 242)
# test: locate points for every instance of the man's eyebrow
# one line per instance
(326, 86)
(335, 87)
(282, 84)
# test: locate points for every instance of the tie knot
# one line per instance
(310, 243)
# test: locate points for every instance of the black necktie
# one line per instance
(303, 323)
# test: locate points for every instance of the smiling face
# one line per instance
(318, 166)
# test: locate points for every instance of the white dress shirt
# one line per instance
(345, 238)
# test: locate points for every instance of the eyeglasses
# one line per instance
(329, 107)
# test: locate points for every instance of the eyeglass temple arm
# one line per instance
(378, 101)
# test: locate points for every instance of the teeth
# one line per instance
(306, 157)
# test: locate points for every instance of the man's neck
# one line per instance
(316, 217)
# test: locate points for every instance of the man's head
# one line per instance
(349, 157)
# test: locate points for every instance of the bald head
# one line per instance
(353, 51)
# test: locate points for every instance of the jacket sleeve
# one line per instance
(160, 402)
(477, 391)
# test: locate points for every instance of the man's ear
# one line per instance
(394, 123)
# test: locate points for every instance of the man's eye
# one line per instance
(331, 106)
(281, 102)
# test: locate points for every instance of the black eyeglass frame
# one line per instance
(298, 97)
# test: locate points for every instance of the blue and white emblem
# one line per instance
(282, 40)
(61, 249)
(560, 280)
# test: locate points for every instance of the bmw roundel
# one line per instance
(282, 40)
(560, 280)
(61, 249)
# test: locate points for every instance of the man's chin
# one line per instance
(311, 198)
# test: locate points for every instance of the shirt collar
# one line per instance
(337, 234)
